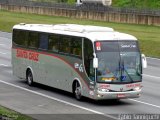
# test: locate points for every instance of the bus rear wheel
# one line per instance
(77, 91)
(29, 78)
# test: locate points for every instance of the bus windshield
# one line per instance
(119, 62)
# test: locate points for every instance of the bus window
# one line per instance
(88, 58)
(53, 43)
(65, 44)
(43, 41)
(20, 37)
(33, 39)
(76, 47)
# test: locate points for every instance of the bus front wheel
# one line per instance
(77, 91)
(29, 78)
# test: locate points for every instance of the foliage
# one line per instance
(137, 3)
(58, 1)
(119, 3)
(7, 114)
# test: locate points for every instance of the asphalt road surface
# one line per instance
(43, 102)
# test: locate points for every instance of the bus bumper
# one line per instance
(117, 95)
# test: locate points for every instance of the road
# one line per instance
(40, 100)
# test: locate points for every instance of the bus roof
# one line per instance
(94, 33)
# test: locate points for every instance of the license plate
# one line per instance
(121, 95)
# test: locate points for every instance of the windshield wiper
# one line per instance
(124, 70)
(138, 73)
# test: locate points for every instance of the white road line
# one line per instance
(2, 44)
(145, 103)
(59, 100)
(4, 65)
(152, 76)
(153, 58)
(3, 53)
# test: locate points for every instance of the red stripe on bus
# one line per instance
(45, 53)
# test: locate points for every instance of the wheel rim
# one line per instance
(30, 78)
(78, 91)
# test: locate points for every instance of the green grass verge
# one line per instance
(6, 114)
(149, 36)
(152, 4)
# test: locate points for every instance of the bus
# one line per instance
(89, 61)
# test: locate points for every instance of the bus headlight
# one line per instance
(137, 89)
(103, 90)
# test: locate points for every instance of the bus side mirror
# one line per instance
(95, 62)
(144, 61)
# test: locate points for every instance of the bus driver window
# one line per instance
(88, 59)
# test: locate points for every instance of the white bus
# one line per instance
(91, 61)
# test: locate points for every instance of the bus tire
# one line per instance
(29, 77)
(77, 91)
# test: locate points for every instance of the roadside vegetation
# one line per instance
(56, 1)
(152, 4)
(7, 114)
(149, 36)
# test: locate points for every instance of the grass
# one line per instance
(149, 36)
(152, 4)
(6, 114)
(141, 4)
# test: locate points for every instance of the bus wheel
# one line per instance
(29, 78)
(77, 91)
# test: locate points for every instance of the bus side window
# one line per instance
(20, 37)
(43, 41)
(33, 39)
(88, 58)
(76, 47)
(65, 44)
(53, 43)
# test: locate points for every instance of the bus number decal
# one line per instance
(78, 66)
(27, 55)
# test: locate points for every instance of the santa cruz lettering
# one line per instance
(28, 55)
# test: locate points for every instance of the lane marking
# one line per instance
(3, 53)
(153, 58)
(4, 65)
(2, 45)
(145, 103)
(59, 100)
(152, 76)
